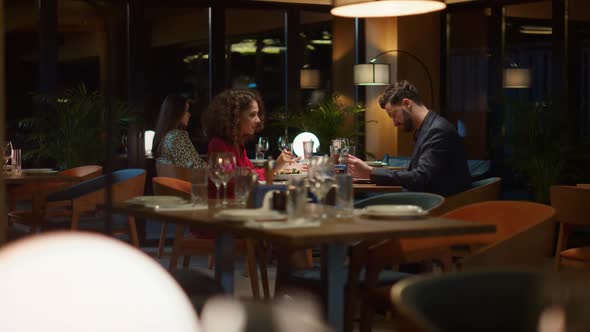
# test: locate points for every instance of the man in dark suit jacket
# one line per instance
(438, 164)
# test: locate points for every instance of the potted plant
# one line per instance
(72, 130)
(326, 118)
(540, 145)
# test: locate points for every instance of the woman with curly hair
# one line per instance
(234, 116)
(171, 142)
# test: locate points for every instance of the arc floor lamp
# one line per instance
(374, 73)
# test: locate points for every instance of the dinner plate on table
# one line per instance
(244, 215)
(157, 200)
(361, 181)
(286, 177)
(376, 163)
(257, 162)
(38, 171)
(393, 211)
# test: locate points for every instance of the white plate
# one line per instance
(375, 163)
(257, 162)
(244, 215)
(285, 177)
(38, 171)
(393, 211)
(152, 201)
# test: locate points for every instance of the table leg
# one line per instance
(224, 262)
(334, 277)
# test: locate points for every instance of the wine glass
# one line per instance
(7, 153)
(214, 178)
(283, 143)
(262, 146)
(321, 179)
(223, 165)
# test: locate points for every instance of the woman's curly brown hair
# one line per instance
(223, 116)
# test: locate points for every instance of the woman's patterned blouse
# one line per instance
(177, 149)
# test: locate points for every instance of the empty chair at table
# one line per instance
(572, 205)
(87, 197)
(26, 192)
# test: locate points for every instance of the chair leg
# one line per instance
(186, 261)
(561, 244)
(367, 313)
(251, 257)
(75, 218)
(163, 232)
(176, 246)
(262, 261)
(133, 231)
(211, 263)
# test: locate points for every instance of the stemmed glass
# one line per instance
(283, 143)
(321, 179)
(223, 166)
(261, 147)
(7, 154)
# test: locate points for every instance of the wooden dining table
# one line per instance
(333, 235)
(37, 183)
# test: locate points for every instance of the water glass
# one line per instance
(16, 161)
(308, 150)
(199, 177)
(243, 183)
(296, 198)
(344, 196)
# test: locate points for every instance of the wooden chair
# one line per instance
(524, 233)
(190, 245)
(492, 300)
(86, 197)
(176, 172)
(583, 185)
(480, 191)
(25, 192)
(572, 205)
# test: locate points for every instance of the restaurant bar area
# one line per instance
(295, 165)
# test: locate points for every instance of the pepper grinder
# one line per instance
(269, 168)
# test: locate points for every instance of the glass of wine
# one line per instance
(283, 143)
(261, 147)
(223, 166)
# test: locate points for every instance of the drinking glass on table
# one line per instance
(199, 195)
(16, 163)
(213, 176)
(223, 165)
(307, 151)
(321, 179)
(7, 154)
(243, 182)
(344, 196)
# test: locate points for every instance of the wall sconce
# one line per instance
(309, 78)
(148, 137)
(517, 78)
(385, 8)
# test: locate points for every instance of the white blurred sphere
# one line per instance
(223, 314)
(66, 282)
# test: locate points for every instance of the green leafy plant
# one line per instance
(72, 129)
(326, 118)
(539, 144)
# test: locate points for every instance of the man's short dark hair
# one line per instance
(396, 92)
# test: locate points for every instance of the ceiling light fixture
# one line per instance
(385, 8)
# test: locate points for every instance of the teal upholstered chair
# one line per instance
(502, 300)
(427, 201)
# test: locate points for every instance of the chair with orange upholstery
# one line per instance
(176, 172)
(85, 198)
(25, 192)
(189, 245)
(480, 191)
(572, 205)
(523, 237)
(583, 185)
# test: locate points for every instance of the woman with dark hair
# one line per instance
(171, 142)
(234, 116)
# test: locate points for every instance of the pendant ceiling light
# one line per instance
(385, 8)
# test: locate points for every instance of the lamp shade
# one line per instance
(385, 8)
(309, 78)
(517, 78)
(371, 74)
(74, 281)
(148, 137)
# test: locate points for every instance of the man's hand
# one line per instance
(357, 168)
(285, 159)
